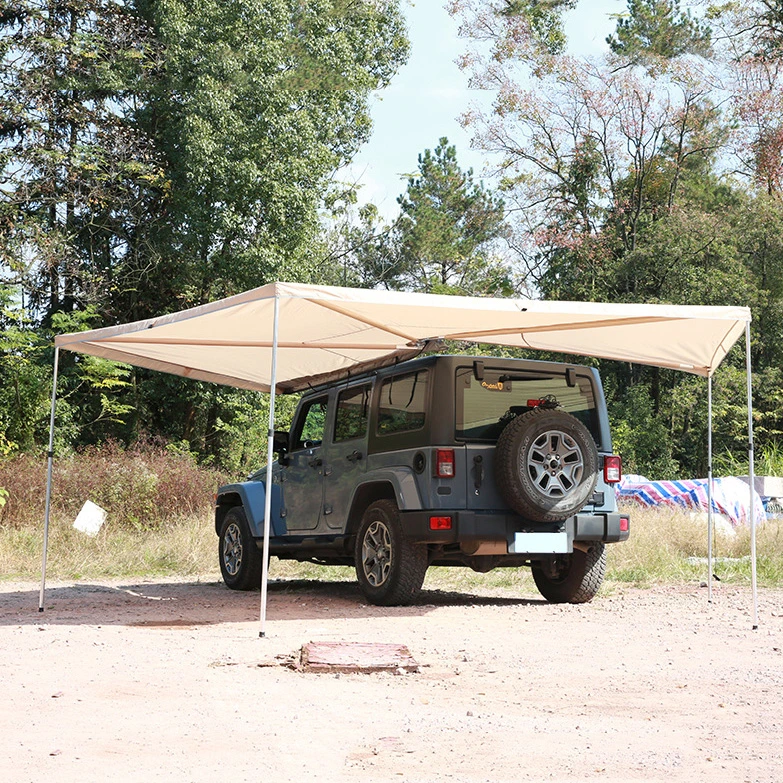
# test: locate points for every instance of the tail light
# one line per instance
(613, 469)
(444, 463)
(440, 523)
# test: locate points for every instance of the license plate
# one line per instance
(539, 544)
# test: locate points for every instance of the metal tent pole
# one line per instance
(50, 460)
(269, 456)
(752, 481)
(709, 489)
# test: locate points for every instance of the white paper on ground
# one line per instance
(90, 518)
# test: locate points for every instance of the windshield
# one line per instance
(484, 407)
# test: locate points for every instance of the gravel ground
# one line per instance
(169, 680)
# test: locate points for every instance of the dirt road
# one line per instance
(169, 681)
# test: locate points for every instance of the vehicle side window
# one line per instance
(403, 402)
(353, 406)
(310, 426)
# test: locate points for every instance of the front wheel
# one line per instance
(390, 569)
(240, 560)
(571, 579)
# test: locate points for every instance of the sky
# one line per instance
(428, 94)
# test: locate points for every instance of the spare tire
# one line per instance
(546, 465)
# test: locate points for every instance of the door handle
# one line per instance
(354, 456)
(316, 463)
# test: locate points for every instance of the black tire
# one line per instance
(546, 465)
(574, 578)
(240, 561)
(389, 567)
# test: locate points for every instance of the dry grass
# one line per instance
(159, 524)
(185, 547)
(669, 546)
(666, 547)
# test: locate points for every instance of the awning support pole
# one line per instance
(752, 481)
(269, 457)
(710, 525)
(50, 460)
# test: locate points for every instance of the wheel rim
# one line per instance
(232, 549)
(555, 463)
(376, 553)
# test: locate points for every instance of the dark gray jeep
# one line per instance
(443, 460)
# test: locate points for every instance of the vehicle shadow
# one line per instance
(190, 604)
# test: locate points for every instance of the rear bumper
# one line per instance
(469, 527)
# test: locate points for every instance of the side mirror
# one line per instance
(280, 447)
(280, 442)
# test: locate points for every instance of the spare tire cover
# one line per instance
(546, 465)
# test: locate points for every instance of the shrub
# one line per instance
(141, 488)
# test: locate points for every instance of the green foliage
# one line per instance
(162, 153)
(544, 18)
(658, 29)
(767, 462)
(256, 108)
(24, 381)
(446, 239)
(640, 437)
(447, 230)
(621, 177)
(76, 172)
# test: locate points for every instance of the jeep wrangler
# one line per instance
(443, 460)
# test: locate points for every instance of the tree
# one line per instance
(156, 154)
(534, 24)
(72, 167)
(658, 29)
(447, 230)
(650, 174)
(256, 108)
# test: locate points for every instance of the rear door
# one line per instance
(484, 406)
(345, 456)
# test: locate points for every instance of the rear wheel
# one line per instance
(390, 569)
(240, 560)
(573, 578)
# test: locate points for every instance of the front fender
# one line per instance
(252, 496)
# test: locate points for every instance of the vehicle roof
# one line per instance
(455, 359)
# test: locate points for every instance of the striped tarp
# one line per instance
(730, 496)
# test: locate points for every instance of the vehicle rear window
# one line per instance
(485, 407)
(403, 403)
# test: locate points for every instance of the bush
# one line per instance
(141, 488)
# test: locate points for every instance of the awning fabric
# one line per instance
(327, 332)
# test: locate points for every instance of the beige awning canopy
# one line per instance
(325, 332)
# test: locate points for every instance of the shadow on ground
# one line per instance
(190, 604)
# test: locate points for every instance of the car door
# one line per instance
(345, 456)
(302, 478)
